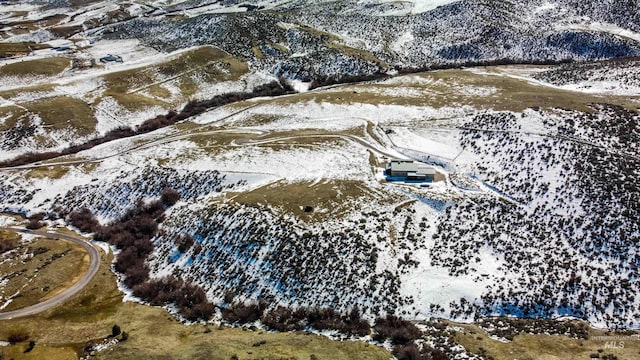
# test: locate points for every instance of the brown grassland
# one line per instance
(48, 66)
(546, 347)
(329, 200)
(43, 268)
(446, 88)
(65, 113)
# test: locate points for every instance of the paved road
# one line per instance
(94, 265)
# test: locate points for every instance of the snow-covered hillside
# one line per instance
(535, 216)
(346, 38)
(534, 212)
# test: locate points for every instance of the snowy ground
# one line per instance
(508, 228)
(419, 269)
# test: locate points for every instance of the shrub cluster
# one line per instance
(399, 331)
(184, 242)
(83, 219)
(327, 318)
(476, 63)
(321, 81)
(414, 352)
(242, 313)
(36, 221)
(17, 337)
(132, 234)
(282, 318)
(169, 197)
(190, 299)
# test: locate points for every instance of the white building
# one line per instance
(410, 170)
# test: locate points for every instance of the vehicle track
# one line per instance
(94, 265)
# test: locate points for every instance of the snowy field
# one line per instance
(432, 276)
(532, 213)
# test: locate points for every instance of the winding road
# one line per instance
(94, 265)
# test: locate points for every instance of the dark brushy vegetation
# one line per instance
(132, 235)
(463, 64)
(241, 313)
(169, 197)
(190, 299)
(36, 221)
(281, 318)
(8, 245)
(83, 219)
(192, 108)
(414, 352)
(17, 337)
(184, 242)
(399, 331)
(351, 324)
(321, 81)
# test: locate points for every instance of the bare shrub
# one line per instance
(408, 352)
(190, 299)
(328, 318)
(84, 220)
(8, 245)
(169, 197)
(184, 242)
(243, 313)
(399, 331)
(17, 337)
(284, 319)
(35, 221)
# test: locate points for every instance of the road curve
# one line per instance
(94, 265)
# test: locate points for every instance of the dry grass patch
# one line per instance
(47, 267)
(329, 200)
(11, 115)
(44, 67)
(159, 92)
(50, 172)
(39, 352)
(65, 113)
(189, 71)
(30, 92)
(179, 342)
(540, 346)
(18, 49)
(454, 88)
(137, 102)
(186, 125)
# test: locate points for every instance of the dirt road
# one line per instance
(94, 264)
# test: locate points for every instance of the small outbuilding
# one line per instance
(111, 58)
(410, 170)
